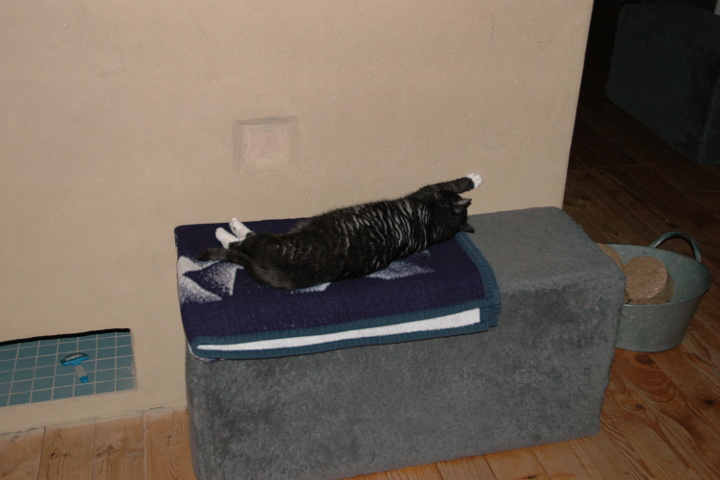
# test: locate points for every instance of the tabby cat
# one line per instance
(349, 242)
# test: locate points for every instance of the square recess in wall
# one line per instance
(264, 143)
(31, 370)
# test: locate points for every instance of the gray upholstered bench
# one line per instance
(538, 377)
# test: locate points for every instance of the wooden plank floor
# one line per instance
(152, 446)
(661, 418)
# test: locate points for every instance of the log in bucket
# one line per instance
(654, 328)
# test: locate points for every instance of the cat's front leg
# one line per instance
(475, 178)
(461, 185)
(466, 183)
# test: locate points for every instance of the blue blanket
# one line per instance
(448, 289)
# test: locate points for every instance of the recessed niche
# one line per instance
(31, 370)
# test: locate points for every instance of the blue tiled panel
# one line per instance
(30, 370)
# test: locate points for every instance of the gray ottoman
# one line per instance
(538, 377)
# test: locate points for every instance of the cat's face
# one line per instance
(452, 211)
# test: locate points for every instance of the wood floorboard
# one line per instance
(611, 455)
(661, 418)
(658, 420)
(701, 190)
(20, 454)
(657, 202)
(119, 449)
(561, 460)
(521, 463)
(421, 472)
(696, 378)
(599, 204)
(702, 338)
(67, 452)
(167, 440)
(466, 469)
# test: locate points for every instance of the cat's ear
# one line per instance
(465, 227)
(461, 205)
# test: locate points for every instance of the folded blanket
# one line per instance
(448, 289)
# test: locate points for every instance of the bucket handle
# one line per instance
(684, 236)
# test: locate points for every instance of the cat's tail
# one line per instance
(261, 273)
(224, 255)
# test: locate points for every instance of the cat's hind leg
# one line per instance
(239, 233)
(239, 229)
(225, 237)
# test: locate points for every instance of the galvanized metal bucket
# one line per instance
(654, 328)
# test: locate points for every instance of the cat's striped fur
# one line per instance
(349, 242)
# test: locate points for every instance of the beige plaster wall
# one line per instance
(117, 120)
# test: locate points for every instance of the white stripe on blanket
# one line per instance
(456, 320)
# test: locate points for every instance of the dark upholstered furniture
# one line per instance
(539, 376)
(665, 72)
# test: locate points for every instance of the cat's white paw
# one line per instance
(225, 237)
(476, 179)
(239, 229)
